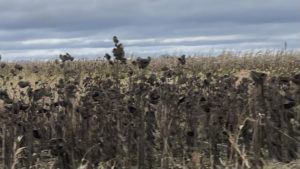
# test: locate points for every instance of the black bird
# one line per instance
(182, 60)
(143, 63)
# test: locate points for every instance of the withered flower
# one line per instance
(60, 84)
(40, 93)
(24, 106)
(18, 67)
(143, 63)
(23, 84)
(56, 61)
(118, 51)
(182, 60)
(289, 103)
(4, 95)
(36, 134)
(107, 56)
(132, 109)
(163, 79)
(134, 63)
(165, 68)
(258, 77)
(154, 97)
(111, 62)
(57, 146)
(35, 69)
(296, 78)
(97, 96)
(130, 72)
(206, 82)
(66, 57)
(115, 40)
(152, 79)
(70, 89)
(13, 72)
(208, 75)
(2, 65)
(169, 73)
(284, 79)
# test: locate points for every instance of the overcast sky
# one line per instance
(85, 27)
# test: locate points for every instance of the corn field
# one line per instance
(231, 111)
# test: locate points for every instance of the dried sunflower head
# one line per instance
(13, 72)
(296, 78)
(258, 77)
(289, 103)
(154, 97)
(111, 62)
(169, 73)
(2, 65)
(56, 61)
(284, 79)
(118, 51)
(143, 63)
(4, 95)
(152, 79)
(134, 62)
(23, 84)
(107, 56)
(182, 60)
(57, 146)
(66, 57)
(40, 93)
(18, 67)
(115, 40)
(35, 69)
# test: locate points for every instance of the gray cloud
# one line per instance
(45, 27)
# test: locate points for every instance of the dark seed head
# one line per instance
(191, 134)
(2, 65)
(18, 67)
(143, 63)
(258, 77)
(296, 78)
(182, 60)
(107, 56)
(115, 40)
(23, 84)
(66, 57)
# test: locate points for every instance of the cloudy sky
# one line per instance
(45, 28)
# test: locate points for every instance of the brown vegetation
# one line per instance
(210, 112)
